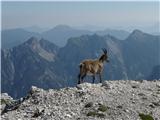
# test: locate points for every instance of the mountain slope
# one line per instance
(141, 53)
(29, 64)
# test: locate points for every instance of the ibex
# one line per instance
(92, 67)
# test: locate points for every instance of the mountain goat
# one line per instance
(92, 67)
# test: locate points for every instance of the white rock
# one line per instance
(69, 103)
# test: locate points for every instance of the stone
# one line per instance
(85, 102)
(106, 85)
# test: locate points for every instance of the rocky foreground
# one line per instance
(111, 100)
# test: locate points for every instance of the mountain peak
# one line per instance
(62, 27)
(136, 35)
(32, 43)
(41, 47)
(32, 40)
(136, 31)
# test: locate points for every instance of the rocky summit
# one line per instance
(111, 100)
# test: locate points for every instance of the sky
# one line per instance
(106, 14)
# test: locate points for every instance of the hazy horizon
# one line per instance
(91, 15)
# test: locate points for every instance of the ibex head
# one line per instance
(104, 57)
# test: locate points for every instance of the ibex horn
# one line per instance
(104, 50)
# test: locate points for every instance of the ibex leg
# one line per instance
(100, 78)
(83, 77)
(79, 79)
(93, 78)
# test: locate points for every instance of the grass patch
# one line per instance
(101, 115)
(3, 101)
(92, 113)
(95, 114)
(145, 117)
(102, 108)
(158, 92)
(98, 112)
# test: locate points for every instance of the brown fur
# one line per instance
(92, 67)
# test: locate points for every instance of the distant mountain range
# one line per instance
(13, 37)
(61, 33)
(31, 63)
(44, 64)
(120, 34)
(36, 29)
(58, 35)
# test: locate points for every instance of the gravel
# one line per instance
(111, 100)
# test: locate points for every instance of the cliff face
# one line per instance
(111, 100)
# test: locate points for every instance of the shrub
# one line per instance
(92, 113)
(102, 108)
(145, 117)
(95, 114)
(3, 101)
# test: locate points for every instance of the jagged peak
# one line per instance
(43, 42)
(136, 34)
(136, 31)
(84, 37)
(32, 40)
(32, 43)
(92, 38)
(37, 47)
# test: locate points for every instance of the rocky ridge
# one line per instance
(41, 63)
(111, 100)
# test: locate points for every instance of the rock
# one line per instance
(106, 85)
(158, 85)
(38, 113)
(34, 89)
(84, 86)
(110, 100)
(5, 96)
(5, 100)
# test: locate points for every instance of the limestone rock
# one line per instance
(111, 100)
